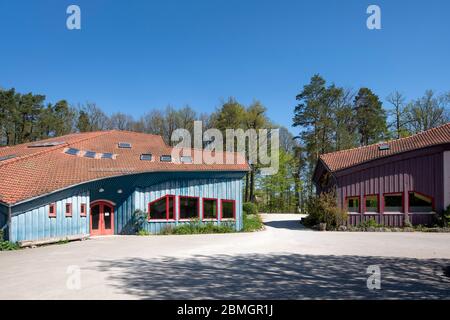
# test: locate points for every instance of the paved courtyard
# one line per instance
(284, 261)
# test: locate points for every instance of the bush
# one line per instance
(252, 222)
(250, 208)
(324, 209)
(143, 232)
(6, 245)
(196, 227)
(371, 223)
(446, 217)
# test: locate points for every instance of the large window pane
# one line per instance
(393, 202)
(188, 208)
(371, 203)
(158, 209)
(171, 200)
(420, 203)
(209, 209)
(353, 204)
(227, 209)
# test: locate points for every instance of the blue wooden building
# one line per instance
(90, 184)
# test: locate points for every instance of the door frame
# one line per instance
(102, 203)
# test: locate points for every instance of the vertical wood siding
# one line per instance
(35, 224)
(230, 189)
(423, 174)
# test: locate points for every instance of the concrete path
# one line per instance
(285, 261)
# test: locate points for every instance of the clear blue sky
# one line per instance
(132, 56)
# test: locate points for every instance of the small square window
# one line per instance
(209, 208)
(83, 210)
(393, 202)
(165, 158)
(52, 210)
(371, 204)
(68, 209)
(353, 204)
(107, 155)
(146, 157)
(126, 145)
(228, 209)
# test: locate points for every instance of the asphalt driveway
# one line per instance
(284, 261)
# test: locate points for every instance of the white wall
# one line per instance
(446, 179)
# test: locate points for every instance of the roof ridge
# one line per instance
(54, 148)
(389, 141)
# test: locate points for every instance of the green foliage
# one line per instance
(446, 217)
(252, 222)
(370, 117)
(371, 223)
(6, 245)
(277, 192)
(324, 209)
(197, 227)
(143, 232)
(250, 208)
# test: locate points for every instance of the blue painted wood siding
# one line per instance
(227, 189)
(4, 221)
(35, 224)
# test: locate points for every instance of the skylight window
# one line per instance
(186, 159)
(125, 145)
(107, 156)
(72, 151)
(46, 144)
(165, 158)
(146, 156)
(4, 158)
(90, 154)
(383, 146)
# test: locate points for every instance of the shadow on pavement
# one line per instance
(285, 224)
(281, 276)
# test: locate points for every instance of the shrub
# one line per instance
(250, 208)
(324, 209)
(6, 246)
(143, 232)
(446, 217)
(196, 227)
(252, 222)
(371, 223)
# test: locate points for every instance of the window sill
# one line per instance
(161, 220)
(228, 219)
(393, 213)
(210, 219)
(429, 212)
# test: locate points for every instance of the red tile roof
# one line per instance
(35, 171)
(339, 160)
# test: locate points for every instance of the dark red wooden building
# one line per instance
(390, 182)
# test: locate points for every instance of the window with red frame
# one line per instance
(209, 208)
(189, 207)
(419, 202)
(162, 208)
(83, 210)
(68, 209)
(52, 210)
(353, 204)
(228, 209)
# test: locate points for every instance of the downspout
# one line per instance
(9, 222)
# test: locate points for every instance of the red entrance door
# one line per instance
(102, 219)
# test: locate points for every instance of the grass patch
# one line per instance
(252, 222)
